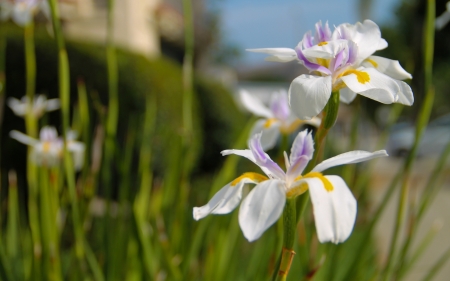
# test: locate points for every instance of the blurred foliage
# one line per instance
(406, 45)
(216, 117)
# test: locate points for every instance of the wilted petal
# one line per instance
(261, 208)
(308, 95)
(370, 83)
(270, 132)
(389, 67)
(254, 105)
(277, 54)
(334, 211)
(350, 157)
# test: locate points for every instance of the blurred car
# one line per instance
(434, 139)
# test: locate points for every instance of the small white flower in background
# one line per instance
(443, 19)
(277, 118)
(48, 149)
(333, 203)
(39, 105)
(23, 11)
(342, 61)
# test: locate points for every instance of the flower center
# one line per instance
(363, 77)
(303, 186)
(269, 122)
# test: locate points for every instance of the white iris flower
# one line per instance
(333, 203)
(276, 118)
(342, 61)
(22, 11)
(48, 149)
(39, 105)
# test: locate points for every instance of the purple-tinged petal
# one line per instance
(303, 145)
(48, 134)
(310, 65)
(323, 33)
(279, 105)
(262, 159)
(338, 60)
(307, 41)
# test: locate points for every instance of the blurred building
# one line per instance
(135, 25)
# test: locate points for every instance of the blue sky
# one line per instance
(282, 23)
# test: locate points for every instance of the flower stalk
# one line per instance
(289, 227)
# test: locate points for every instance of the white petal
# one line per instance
(277, 54)
(269, 135)
(350, 157)
(382, 44)
(247, 154)
(346, 95)
(389, 67)
(261, 208)
(19, 108)
(326, 51)
(442, 20)
(223, 202)
(366, 35)
(334, 211)
(308, 95)
(52, 104)
(77, 148)
(405, 95)
(23, 138)
(373, 84)
(254, 105)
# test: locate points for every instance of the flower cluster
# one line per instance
(23, 11)
(342, 61)
(38, 106)
(48, 149)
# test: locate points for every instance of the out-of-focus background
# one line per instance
(149, 35)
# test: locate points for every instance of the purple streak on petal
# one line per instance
(338, 61)
(48, 134)
(310, 65)
(279, 105)
(262, 159)
(323, 33)
(301, 152)
(307, 40)
(352, 52)
(303, 145)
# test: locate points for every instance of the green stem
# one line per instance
(52, 265)
(64, 95)
(30, 60)
(289, 226)
(330, 113)
(188, 68)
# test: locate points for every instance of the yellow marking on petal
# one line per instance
(292, 127)
(326, 183)
(252, 176)
(363, 77)
(323, 62)
(323, 43)
(297, 190)
(374, 63)
(269, 122)
(46, 146)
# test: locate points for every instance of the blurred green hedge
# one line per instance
(217, 120)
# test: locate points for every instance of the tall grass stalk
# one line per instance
(64, 95)
(424, 115)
